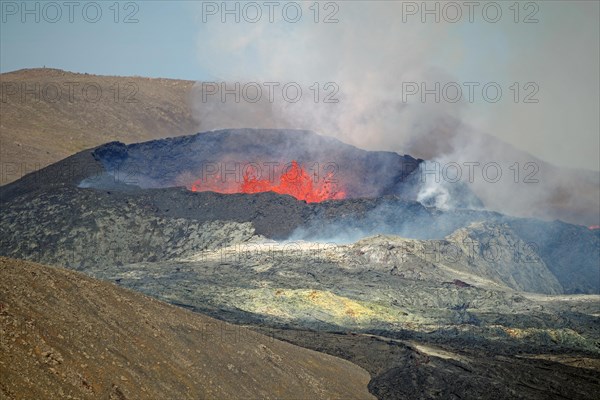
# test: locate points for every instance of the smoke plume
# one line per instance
(353, 76)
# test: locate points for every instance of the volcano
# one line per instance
(326, 246)
(303, 164)
(299, 163)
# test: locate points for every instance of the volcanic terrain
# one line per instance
(340, 258)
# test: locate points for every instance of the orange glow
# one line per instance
(295, 182)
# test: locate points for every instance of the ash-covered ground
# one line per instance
(451, 302)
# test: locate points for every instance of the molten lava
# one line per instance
(295, 182)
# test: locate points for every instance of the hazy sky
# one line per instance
(370, 52)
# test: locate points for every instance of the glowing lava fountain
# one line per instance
(295, 181)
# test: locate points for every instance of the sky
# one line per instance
(547, 51)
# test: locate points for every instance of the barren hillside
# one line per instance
(63, 335)
(49, 114)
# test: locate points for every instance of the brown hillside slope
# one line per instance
(49, 114)
(64, 335)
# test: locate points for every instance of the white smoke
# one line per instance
(360, 65)
(371, 53)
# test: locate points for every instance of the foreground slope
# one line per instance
(64, 335)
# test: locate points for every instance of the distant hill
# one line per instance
(64, 335)
(49, 114)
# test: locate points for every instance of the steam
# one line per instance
(434, 194)
(507, 179)
(363, 61)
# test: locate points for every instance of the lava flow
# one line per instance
(295, 182)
